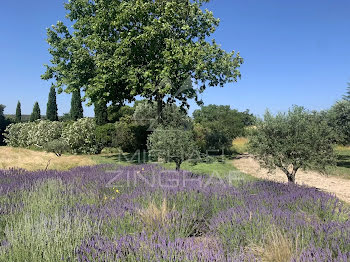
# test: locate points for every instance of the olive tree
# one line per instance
(291, 141)
(172, 145)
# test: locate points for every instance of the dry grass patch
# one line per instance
(277, 247)
(240, 145)
(154, 216)
(35, 160)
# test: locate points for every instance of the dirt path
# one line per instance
(338, 186)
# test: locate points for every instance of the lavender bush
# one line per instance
(147, 213)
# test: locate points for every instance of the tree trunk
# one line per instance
(159, 108)
(178, 164)
(291, 175)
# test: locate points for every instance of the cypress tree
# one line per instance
(18, 118)
(36, 113)
(76, 109)
(347, 95)
(101, 116)
(51, 109)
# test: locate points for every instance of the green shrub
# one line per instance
(105, 135)
(130, 136)
(3, 123)
(339, 120)
(80, 137)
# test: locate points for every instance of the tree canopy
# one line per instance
(118, 49)
(291, 141)
(172, 116)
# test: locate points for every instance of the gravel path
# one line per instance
(338, 186)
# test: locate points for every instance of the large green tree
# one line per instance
(76, 108)
(292, 141)
(51, 109)
(118, 49)
(18, 117)
(36, 113)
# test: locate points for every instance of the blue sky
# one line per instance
(296, 52)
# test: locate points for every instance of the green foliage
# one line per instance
(57, 146)
(347, 95)
(219, 125)
(298, 139)
(176, 145)
(171, 116)
(33, 134)
(339, 120)
(101, 116)
(18, 117)
(200, 136)
(106, 135)
(80, 136)
(121, 49)
(3, 123)
(36, 113)
(76, 109)
(51, 110)
(66, 117)
(74, 137)
(130, 136)
(116, 112)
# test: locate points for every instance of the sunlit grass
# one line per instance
(11, 157)
(343, 162)
(240, 145)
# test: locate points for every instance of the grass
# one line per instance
(216, 169)
(36, 160)
(33, 160)
(343, 162)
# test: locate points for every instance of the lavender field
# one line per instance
(147, 213)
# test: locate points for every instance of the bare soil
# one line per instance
(335, 185)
